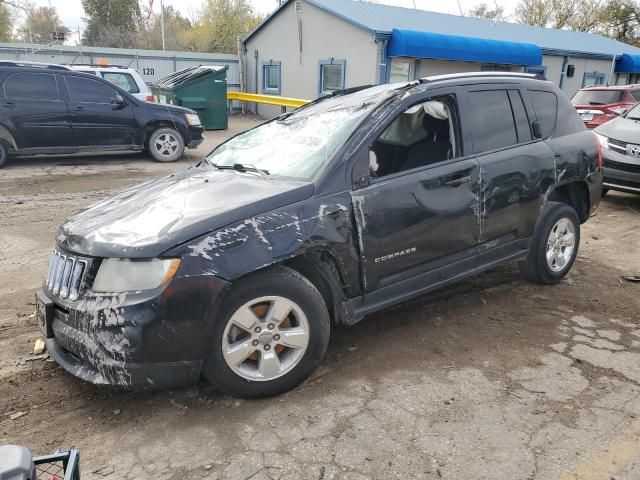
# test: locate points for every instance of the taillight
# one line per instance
(150, 98)
(599, 149)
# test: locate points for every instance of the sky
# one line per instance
(71, 10)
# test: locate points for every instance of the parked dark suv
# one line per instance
(235, 269)
(49, 109)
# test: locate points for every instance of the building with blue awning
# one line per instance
(307, 48)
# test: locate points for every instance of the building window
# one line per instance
(401, 71)
(331, 76)
(271, 77)
(591, 79)
(539, 70)
(495, 68)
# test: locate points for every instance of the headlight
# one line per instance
(604, 141)
(193, 119)
(118, 275)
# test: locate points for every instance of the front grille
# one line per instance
(618, 145)
(625, 167)
(65, 274)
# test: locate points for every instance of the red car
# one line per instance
(598, 105)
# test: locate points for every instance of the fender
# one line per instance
(323, 223)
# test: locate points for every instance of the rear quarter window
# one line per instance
(123, 80)
(597, 97)
(545, 110)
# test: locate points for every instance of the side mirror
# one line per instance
(119, 100)
(537, 129)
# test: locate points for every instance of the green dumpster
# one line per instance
(202, 88)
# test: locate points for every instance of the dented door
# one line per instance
(419, 222)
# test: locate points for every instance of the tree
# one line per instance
(621, 21)
(111, 23)
(6, 23)
(40, 24)
(482, 10)
(219, 25)
(150, 32)
(578, 15)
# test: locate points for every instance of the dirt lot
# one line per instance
(495, 378)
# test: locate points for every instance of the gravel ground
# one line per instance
(494, 378)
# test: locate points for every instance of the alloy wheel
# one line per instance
(560, 245)
(265, 338)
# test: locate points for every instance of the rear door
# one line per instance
(97, 119)
(34, 107)
(515, 168)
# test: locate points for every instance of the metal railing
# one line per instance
(283, 102)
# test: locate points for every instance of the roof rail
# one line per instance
(451, 76)
(94, 65)
(20, 63)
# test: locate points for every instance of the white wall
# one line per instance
(323, 36)
(427, 68)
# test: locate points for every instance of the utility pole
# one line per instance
(162, 23)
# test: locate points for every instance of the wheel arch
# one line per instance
(157, 124)
(7, 138)
(321, 269)
(575, 194)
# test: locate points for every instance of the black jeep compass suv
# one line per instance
(235, 269)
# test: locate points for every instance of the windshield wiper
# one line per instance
(596, 103)
(241, 167)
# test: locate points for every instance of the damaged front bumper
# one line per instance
(139, 340)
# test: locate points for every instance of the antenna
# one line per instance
(460, 8)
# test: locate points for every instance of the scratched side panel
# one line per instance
(319, 223)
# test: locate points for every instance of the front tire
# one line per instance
(4, 155)
(165, 145)
(271, 333)
(554, 244)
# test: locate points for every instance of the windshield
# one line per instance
(297, 145)
(633, 113)
(597, 97)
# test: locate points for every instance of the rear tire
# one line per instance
(554, 245)
(4, 155)
(165, 145)
(270, 334)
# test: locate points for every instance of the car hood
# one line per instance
(148, 219)
(622, 129)
(164, 107)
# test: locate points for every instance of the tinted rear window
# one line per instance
(31, 86)
(491, 120)
(545, 108)
(597, 97)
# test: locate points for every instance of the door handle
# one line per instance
(458, 181)
(8, 105)
(78, 109)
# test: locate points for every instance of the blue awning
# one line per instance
(628, 64)
(409, 43)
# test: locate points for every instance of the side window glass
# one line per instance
(523, 127)
(545, 108)
(491, 120)
(86, 90)
(422, 135)
(31, 86)
(636, 96)
(123, 80)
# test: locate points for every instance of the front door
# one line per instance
(97, 119)
(34, 106)
(420, 211)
